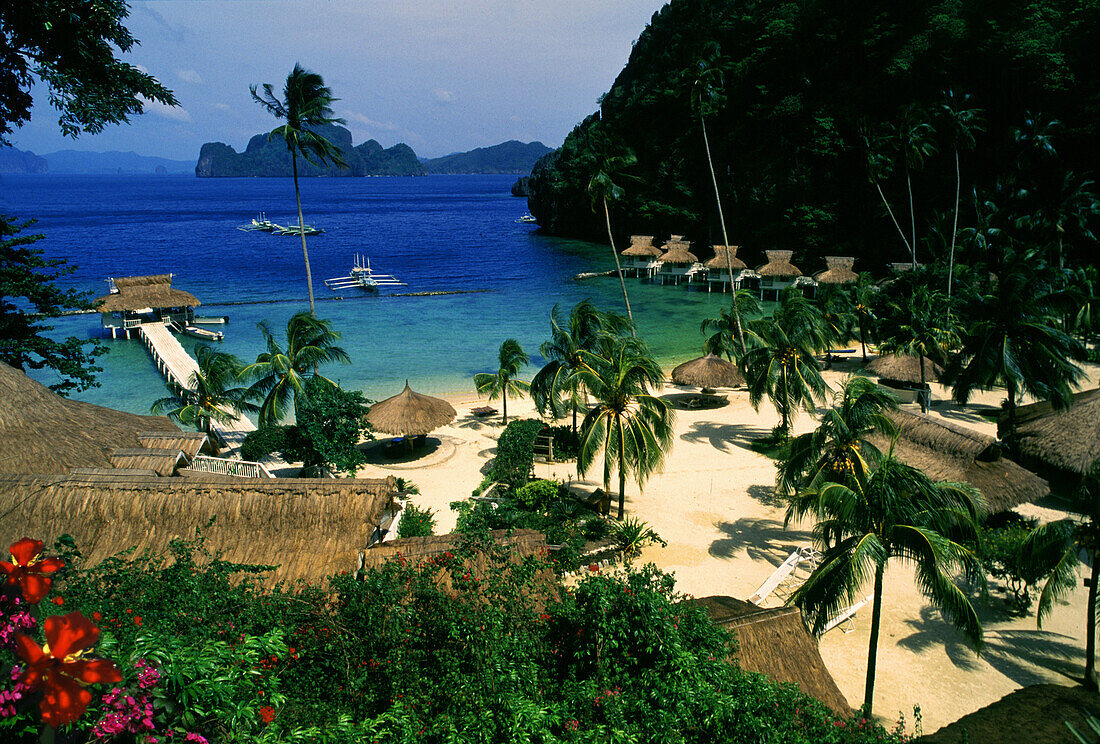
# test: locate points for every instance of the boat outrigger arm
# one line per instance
(363, 277)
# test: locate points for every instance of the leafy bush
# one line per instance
(260, 443)
(632, 534)
(1002, 537)
(331, 422)
(566, 442)
(515, 452)
(537, 494)
(416, 522)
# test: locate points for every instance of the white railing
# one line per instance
(131, 323)
(223, 466)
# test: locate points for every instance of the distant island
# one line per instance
(125, 163)
(511, 157)
(21, 161)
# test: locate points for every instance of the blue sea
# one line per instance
(437, 233)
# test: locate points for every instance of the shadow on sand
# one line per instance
(760, 539)
(722, 436)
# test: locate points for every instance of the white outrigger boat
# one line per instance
(295, 230)
(263, 224)
(363, 277)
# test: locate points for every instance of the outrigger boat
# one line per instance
(295, 230)
(263, 224)
(363, 277)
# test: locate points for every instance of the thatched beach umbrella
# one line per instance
(708, 371)
(903, 368)
(410, 413)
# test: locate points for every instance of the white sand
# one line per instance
(714, 505)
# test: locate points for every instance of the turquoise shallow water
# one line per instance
(437, 233)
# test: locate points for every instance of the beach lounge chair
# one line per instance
(844, 617)
(810, 559)
(776, 578)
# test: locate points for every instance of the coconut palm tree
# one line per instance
(1056, 547)
(915, 141)
(631, 428)
(498, 384)
(211, 395)
(916, 322)
(610, 164)
(962, 125)
(556, 384)
(893, 511)
(783, 366)
(306, 105)
(840, 449)
(878, 147)
(279, 374)
(729, 326)
(863, 297)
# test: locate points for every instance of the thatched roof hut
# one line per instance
(410, 413)
(163, 462)
(779, 265)
(838, 270)
(521, 543)
(41, 432)
(678, 253)
(719, 260)
(139, 292)
(948, 452)
(1038, 713)
(774, 642)
(190, 443)
(1066, 441)
(642, 246)
(310, 528)
(903, 368)
(708, 371)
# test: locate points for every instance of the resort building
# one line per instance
(641, 256)
(718, 272)
(778, 274)
(838, 270)
(678, 262)
(1060, 444)
(134, 300)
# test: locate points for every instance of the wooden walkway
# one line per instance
(176, 365)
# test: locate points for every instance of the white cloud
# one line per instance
(223, 107)
(189, 76)
(175, 113)
(366, 121)
(443, 96)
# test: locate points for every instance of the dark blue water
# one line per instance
(438, 233)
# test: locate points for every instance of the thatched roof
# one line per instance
(838, 271)
(708, 371)
(1038, 713)
(642, 246)
(416, 549)
(410, 413)
(310, 527)
(719, 260)
(160, 461)
(779, 265)
(189, 443)
(136, 292)
(41, 432)
(948, 452)
(1067, 440)
(678, 253)
(903, 368)
(775, 643)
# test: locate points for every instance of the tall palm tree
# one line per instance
(840, 449)
(783, 366)
(498, 384)
(916, 143)
(918, 324)
(280, 373)
(1056, 547)
(878, 146)
(610, 164)
(306, 105)
(962, 125)
(211, 395)
(893, 511)
(556, 383)
(863, 297)
(631, 428)
(730, 326)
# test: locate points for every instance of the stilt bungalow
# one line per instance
(778, 274)
(678, 262)
(134, 300)
(838, 270)
(641, 256)
(718, 272)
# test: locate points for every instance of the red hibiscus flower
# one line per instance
(28, 569)
(59, 669)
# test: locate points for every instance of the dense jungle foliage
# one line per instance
(805, 101)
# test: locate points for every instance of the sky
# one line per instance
(442, 76)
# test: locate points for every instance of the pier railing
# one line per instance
(223, 466)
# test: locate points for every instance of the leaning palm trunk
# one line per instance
(923, 384)
(954, 227)
(893, 219)
(872, 650)
(912, 218)
(618, 267)
(302, 230)
(725, 238)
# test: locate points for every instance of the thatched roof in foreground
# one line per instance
(1067, 440)
(949, 452)
(1038, 713)
(310, 527)
(903, 368)
(838, 270)
(417, 549)
(708, 371)
(41, 432)
(719, 260)
(642, 246)
(779, 265)
(137, 292)
(774, 642)
(410, 413)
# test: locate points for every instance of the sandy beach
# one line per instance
(714, 503)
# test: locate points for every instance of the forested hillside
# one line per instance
(812, 106)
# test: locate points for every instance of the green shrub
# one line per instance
(416, 522)
(999, 551)
(537, 494)
(566, 442)
(632, 534)
(260, 443)
(515, 456)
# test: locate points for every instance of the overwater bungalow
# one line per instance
(718, 272)
(134, 300)
(678, 262)
(838, 270)
(778, 274)
(641, 256)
